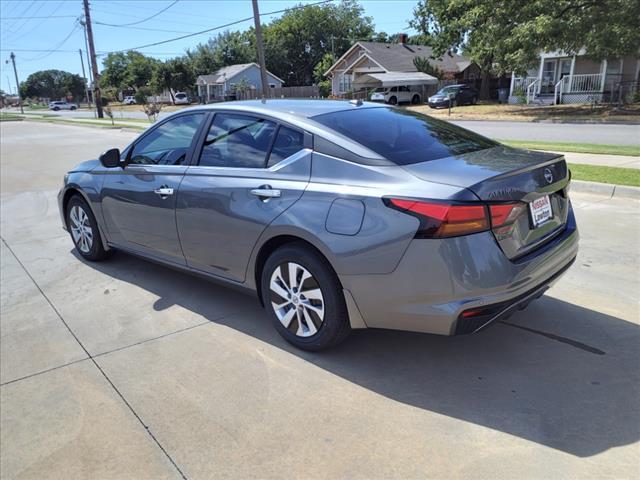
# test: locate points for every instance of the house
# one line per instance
(222, 84)
(564, 78)
(373, 59)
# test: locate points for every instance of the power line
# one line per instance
(42, 16)
(218, 27)
(55, 49)
(24, 34)
(144, 20)
(140, 28)
(33, 50)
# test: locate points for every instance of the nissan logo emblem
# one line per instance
(548, 175)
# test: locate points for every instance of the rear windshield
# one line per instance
(404, 136)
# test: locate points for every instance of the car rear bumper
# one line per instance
(439, 279)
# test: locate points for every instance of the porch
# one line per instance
(211, 92)
(564, 80)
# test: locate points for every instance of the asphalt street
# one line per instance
(538, 131)
(128, 369)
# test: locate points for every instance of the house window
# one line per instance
(345, 83)
(272, 85)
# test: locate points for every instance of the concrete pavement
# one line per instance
(129, 369)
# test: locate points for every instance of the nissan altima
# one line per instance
(338, 215)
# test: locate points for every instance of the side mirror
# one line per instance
(110, 158)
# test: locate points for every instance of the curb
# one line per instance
(605, 189)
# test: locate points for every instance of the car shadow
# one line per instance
(557, 374)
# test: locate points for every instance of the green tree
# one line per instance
(130, 70)
(54, 84)
(423, 65)
(172, 75)
(227, 48)
(297, 41)
(507, 35)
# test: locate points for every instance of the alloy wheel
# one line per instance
(296, 299)
(81, 230)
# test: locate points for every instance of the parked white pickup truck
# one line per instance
(395, 95)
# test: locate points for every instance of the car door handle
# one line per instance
(163, 191)
(266, 193)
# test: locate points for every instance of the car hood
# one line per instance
(86, 166)
(438, 97)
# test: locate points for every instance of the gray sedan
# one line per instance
(339, 215)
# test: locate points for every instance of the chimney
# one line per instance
(402, 38)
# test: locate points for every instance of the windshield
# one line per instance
(448, 90)
(404, 136)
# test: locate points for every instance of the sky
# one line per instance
(45, 34)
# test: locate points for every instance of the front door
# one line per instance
(548, 83)
(138, 201)
(250, 171)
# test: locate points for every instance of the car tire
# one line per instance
(310, 323)
(84, 231)
(55, 109)
(393, 101)
(72, 108)
(415, 99)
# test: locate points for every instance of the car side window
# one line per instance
(240, 141)
(288, 141)
(168, 143)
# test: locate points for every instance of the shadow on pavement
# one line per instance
(556, 374)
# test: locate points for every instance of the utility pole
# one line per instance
(86, 80)
(15, 72)
(260, 50)
(94, 64)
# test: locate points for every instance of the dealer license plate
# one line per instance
(541, 210)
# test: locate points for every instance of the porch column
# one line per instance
(603, 75)
(539, 87)
(513, 77)
(573, 66)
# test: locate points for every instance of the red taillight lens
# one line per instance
(438, 220)
(503, 217)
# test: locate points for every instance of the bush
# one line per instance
(142, 94)
(325, 88)
(152, 110)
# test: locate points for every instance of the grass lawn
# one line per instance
(536, 113)
(9, 117)
(613, 175)
(631, 150)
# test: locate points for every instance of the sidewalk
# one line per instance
(622, 161)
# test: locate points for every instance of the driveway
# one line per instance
(129, 369)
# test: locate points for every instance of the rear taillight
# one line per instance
(439, 220)
(503, 217)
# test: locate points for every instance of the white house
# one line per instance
(219, 85)
(564, 78)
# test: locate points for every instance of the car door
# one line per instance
(138, 201)
(249, 171)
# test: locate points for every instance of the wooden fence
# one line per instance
(310, 91)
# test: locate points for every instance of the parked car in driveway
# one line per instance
(395, 95)
(181, 98)
(55, 106)
(459, 95)
(337, 214)
(129, 100)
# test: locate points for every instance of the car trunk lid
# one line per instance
(502, 175)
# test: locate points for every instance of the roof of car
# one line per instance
(296, 108)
